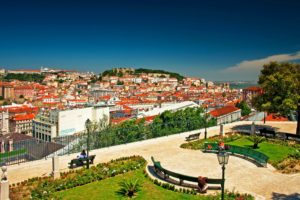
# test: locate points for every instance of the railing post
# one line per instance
(4, 185)
(55, 167)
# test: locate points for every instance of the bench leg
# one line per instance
(180, 181)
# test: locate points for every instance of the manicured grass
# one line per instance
(106, 189)
(275, 152)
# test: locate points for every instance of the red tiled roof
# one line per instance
(19, 109)
(253, 88)
(24, 87)
(274, 117)
(119, 120)
(6, 84)
(223, 111)
(24, 117)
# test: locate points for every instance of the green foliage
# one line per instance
(129, 188)
(6, 103)
(113, 72)
(167, 123)
(244, 107)
(18, 152)
(45, 188)
(60, 80)
(199, 144)
(105, 189)
(120, 83)
(172, 74)
(276, 151)
(93, 79)
(25, 77)
(1, 98)
(280, 83)
(256, 140)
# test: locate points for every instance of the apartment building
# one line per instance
(57, 123)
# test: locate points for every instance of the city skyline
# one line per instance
(214, 40)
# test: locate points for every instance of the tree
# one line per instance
(281, 94)
(256, 140)
(244, 107)
(120, 83)
(129, 188)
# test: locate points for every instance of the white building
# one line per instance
(66, 122)
(173, 107)
(226, 114)
(4, 122)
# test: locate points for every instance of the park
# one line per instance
(245, 176)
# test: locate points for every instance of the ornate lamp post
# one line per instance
(87, 126)
(223, 160)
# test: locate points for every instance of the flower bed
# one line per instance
(199, 144)
(44, 188)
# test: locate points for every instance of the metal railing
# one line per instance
(34, 149)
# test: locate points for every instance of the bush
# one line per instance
(129, 188)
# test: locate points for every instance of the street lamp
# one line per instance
(223, 160)
(87, 126)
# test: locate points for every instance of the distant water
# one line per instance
(242, 85)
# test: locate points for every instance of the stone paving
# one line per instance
(241, 175)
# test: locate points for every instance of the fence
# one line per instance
(34, 149)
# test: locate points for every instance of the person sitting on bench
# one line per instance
(202, 184)
(82, 154)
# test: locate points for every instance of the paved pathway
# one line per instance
(241, 175)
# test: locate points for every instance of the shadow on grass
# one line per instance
(278, 196)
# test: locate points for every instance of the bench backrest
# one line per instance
(258, 156)
(194, 135)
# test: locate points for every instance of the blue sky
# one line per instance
(217, 40)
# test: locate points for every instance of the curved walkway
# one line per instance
(241, 175)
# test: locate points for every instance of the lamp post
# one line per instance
(87, 126)
(223, 160)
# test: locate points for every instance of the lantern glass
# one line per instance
(223, 158)
(226, 158)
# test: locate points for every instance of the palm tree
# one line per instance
(129, 188)
(256, 140)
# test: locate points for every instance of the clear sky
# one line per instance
(217, 40)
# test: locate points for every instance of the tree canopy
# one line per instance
(244, 107)
(25, 77)
(281, 89)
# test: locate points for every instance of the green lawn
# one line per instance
(275, 152)
(106, 189)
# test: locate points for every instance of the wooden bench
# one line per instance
(81, 161)
(183, 180)
(193, 137)
(266, 132)
(289, 136)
